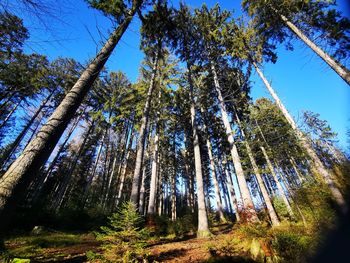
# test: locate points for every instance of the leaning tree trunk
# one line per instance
(342, 71)
(10, 114)
(203, 226)
(296, 170)
(142, 135)
(25, 168)
(306, 144)
(246, 198)
(278, 184)
(267, 200)
(7, 155)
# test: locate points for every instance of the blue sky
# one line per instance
(300, 78)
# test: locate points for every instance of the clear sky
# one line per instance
(301, 79)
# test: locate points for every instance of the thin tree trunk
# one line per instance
(64, 187)
(7, 155)
(123, 170)
(215, 178)
(296, 170)
(153, 186)
(246, 198)
(278, 184)
(142, 189)
(173, 182)
(342, 71)
(232, 193)
(306, 144)
(10, 114)
(160, 190)
(92, 176)
(21, 172)
(203, 226)
(62, 146)
(189, 178)
(267, 200)
(142, 134)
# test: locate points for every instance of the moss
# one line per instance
(20, 260)
(204, 234)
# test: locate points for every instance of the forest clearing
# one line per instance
(169, 151)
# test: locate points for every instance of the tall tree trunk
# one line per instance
(142, 134)
(265, 195)
(203, 226)
(296, 170)
(142, 188)
(214, 175)
(7, 155)
(63, 145)
(160, 190)
(63, 189)
(342, 71)
(173, 182)
(123, 170)
(190, 179)
(278, 184)
(232, 193)
(91, 180)
(246, 198)
(21, 172)
(10, 114)
(306, 144)
(153, 185)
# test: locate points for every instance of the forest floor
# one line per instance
(76, 247)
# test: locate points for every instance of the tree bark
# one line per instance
(142, 135)
(232, 193)
(10, 114)
(270, 209)
(246, 198)
(296, 170)
(203, 226)
(123, 170)
(153, 185)
(214, 175)
(21, 172)
(7, 155)
(306, 144)
(342, 71)
(278, 184)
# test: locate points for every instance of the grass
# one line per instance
(47, 245)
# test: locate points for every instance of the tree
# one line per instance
(22, 171)
(153, 32)
(290, 14)
(184, 41)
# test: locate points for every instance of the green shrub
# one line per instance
(255, 231)
(291, 247)
(124, 239)
(281, 208)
